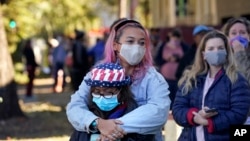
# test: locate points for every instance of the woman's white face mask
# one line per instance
(133, 54)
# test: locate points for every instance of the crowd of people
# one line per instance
(126, 86)
(128, 45)
(67, 57)
(205, 85)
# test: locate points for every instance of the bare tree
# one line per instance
(9, 106)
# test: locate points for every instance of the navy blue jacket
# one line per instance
(231, 100)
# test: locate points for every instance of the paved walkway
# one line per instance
(171, 130)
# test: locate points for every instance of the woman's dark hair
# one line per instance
(116, 22)
(122, 23)
(176, 33)
(28, 43)
(79, 34)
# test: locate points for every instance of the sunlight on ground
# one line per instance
(39, 107)
(63, 138)
(47, 119)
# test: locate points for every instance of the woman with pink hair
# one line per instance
(128, 45)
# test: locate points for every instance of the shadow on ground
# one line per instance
(46, 116)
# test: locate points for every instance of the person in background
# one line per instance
(128, 45)
(238, 32)
(96, 52)
(81, 64)
(175, 36)
(188, 58)
(59, 54)
(31, 65)
(156, 41)
(172, 52)
(212, 95)
(109, 98)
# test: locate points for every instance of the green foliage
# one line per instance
(112, 2)
(44, 18)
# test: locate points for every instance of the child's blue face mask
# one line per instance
(241, 39)
(106, 104)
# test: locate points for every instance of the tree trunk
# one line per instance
(9, 106)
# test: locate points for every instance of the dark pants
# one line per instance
(77, 76)
(173, 89)
(31, 75)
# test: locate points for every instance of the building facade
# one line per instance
(170, 13)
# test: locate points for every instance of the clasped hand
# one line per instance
(237, 46)
(110, 131)
(201, 116)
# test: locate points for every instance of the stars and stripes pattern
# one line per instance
(108, 75)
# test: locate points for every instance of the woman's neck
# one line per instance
(128, 68)
(214, 70)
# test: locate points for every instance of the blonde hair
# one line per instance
(200, 66)
(227, 26)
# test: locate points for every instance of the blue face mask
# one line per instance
(106, 104)
(242, 40)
